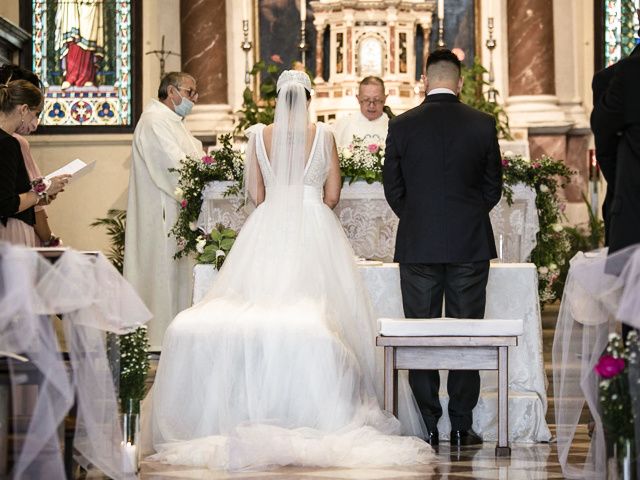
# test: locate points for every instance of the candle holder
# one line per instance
(492, 93)
(130, 422)
(441, 44)
(246, 46)
(303, 45)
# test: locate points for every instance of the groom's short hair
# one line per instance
(443, 65)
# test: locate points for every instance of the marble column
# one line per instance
(203, 33)
(204, 47)
(319, 52)
(532, 93)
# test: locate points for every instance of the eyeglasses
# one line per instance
(371, 101)
(191, 93)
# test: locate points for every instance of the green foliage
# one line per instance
(194, 174)
(132, 348)
(114, 222)
(545, 176)
(473, 94)
(216, 245)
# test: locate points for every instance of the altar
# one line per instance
(527, 380)
(371, 225)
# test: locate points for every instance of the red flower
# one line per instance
(208, 160)
(609, 366)
(183, 204)
(373, 148)
(276, 58)
(505, 162)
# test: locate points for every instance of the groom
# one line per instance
(442, 176)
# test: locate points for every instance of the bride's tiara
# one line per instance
(294, 76)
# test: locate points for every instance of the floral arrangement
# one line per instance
(614, 396)
(214, 247)
(194, 173)
(362, 161)
(130, 349)
(545, 175)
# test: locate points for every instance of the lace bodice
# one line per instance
(317, 165)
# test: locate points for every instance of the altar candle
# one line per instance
(303, 10)
(440, 9)
(129, 458)
(244, 9)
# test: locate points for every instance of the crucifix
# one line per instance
(162, 55)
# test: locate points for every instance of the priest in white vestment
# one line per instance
(160, 141)
(370, 123)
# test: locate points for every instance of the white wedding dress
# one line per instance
(276, 365)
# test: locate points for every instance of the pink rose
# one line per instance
(536, 165)
(183, 204)
(208, 160)
(276, 58)
(609, 366)
(505, 162)
(373, 148)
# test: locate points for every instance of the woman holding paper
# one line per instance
(44, 236)
(20, 106)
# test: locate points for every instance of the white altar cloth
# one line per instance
(512, 292)
(371, 225)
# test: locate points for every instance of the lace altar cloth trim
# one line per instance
(371, 225)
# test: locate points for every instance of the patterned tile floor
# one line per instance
(538, 461)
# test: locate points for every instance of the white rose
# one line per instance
(557, 227)
(382, 160)
(219, 253)
(192, 226)
(178, 193)
(346, 153)
(508, 153)
(553, 267)
(201, 242)
(382, 152)
(544, 188)
(526, 160)
(543, 270)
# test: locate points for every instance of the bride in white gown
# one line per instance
(276, 365)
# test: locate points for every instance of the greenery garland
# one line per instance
(546, 176)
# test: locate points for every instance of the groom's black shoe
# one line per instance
(432, 437)
(462, 438)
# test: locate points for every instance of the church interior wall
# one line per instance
(106, 188)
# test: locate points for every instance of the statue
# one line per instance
(79, 39)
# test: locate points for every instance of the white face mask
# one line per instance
(184, 107)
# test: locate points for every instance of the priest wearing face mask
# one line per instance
(370, 122)
(160, 141)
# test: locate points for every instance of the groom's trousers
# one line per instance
(463, 287)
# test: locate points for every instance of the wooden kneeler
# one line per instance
(450, 344)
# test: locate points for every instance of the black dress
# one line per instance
(14, 180)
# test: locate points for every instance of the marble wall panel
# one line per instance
(204, 47)
(531, 49)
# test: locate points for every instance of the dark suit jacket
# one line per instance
(606, 147)
(442, 176)
(616, 120)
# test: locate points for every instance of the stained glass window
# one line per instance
(82, 53)
(620, 29)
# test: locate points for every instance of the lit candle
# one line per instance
(303, 10)
(129, 458)
(440, 9)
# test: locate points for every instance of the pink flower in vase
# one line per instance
(609, 366)
(373, 148)
(183, 203)
(208, 160)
